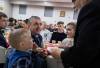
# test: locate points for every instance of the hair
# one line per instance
(11, 19)
(73, 24)
(2, 15)
(33, 17)
(80, 3)
(26, 21)
(16, 36)
(60, 22)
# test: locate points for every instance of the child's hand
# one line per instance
(43, 52)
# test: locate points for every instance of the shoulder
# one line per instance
(22, 62)
(89, 9)
(96, 2)
(47, 30)
(88, 14)
(56, 33)
(64, 41)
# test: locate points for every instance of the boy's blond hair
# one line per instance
(17, 36)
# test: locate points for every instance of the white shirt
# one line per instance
(46, 35)
(68, 42)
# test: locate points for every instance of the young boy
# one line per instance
(21, 41)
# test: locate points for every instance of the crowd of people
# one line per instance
(31, 43)
(42, 37)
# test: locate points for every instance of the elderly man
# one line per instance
(35, 27)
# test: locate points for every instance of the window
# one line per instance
(48, 11)
(22, 9)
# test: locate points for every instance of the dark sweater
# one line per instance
(3, 42)
(58, 36)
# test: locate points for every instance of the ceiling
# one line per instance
(53, 0)
(55, 3)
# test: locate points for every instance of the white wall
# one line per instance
(13, 11)
(39, 11)
(31, 11)
(56, 16)
(6, 7)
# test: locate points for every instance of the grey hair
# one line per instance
(33, 17)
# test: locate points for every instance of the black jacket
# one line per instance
(58, 36)
(2, 40)
(37, 38)
(86, 50)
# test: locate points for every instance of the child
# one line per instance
(21, 41)
(70, 30)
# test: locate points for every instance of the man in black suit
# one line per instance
(86, 50)
(3, 21)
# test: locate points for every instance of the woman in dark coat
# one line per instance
(86, 50)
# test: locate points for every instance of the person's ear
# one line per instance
(21, 44)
